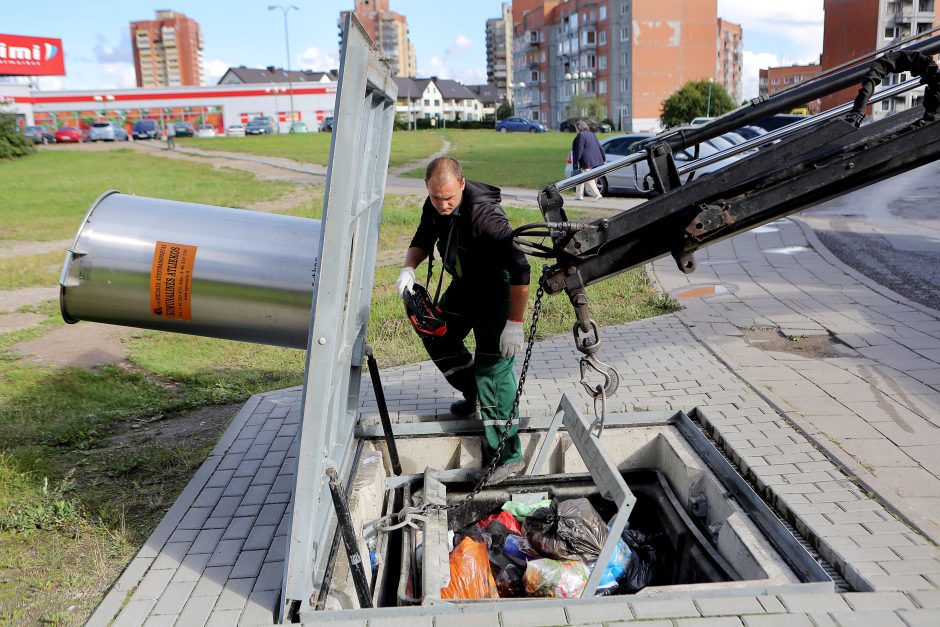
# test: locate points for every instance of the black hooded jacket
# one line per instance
(475, 241)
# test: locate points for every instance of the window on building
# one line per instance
(625, 59)
(775, 81)
(926, 5)
(602, 87)
(923, 27)
(624, 85)
(542, 57)
(602, 38)
(625, 33)
(437, 103)
(624, 7)
(542, 97)
(427, 102)
(885, 105)
(590, 37)
(891, 32)
(602, 62)
(534, 76)
(535, 116)
(603, 12)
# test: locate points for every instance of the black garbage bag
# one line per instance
(508, 574)
(641, 567)
(571, 530)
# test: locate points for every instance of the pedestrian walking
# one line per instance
(487, 295)
(586, 154)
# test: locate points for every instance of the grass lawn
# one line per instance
(315, 147)
(79, 491)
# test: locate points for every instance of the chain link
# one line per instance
(408, 514)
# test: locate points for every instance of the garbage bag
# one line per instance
(640, 568)
(616, 568)
(521, 510)
(470, 574)
(505, 518)
(572, 530)
(561, 579)
(518, 550)
(507, 573)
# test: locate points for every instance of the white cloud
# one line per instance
(317, 59)
(50, 83)
(753, 63)
(452, 65)
(118, 76)
(213, 69)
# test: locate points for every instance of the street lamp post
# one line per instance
(708, 107)
(576, 78)
(290, 85)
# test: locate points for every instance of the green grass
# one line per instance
(315, 147)
(78, 491)
(46, 194)
(31, 270)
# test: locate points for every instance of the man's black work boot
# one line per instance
(465, 407)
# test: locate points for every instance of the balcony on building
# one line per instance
(533, 38)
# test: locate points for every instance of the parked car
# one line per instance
(750, 132)
(327, 125)
(235, 130)
(630, 180)
(261, 125)
(780, 119)
(39, 134)
(701, 120)
(145, 129)
(299, 127)
(569, 126)
(520, 125)
(205, 130)
(68, 134)
(183, 129)
(107, 132)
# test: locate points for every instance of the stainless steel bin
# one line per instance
(190, 268)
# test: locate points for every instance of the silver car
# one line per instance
(631, 180)
(107, 131)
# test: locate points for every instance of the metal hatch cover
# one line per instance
(352, 209)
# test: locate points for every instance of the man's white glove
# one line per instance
(511, 340)
(406, 280)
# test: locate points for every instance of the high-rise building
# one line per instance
(775, 79)
(499, 54)
(853, 28)
(167, 50)
(628, 56)
(730, 59)
(389, 31)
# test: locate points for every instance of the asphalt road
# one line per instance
(890, 232)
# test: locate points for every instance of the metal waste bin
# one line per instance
(190, 268)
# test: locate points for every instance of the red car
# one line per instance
(69, 134)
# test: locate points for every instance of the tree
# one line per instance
(692, 101)
(12, 143)
(503, 111)
(584, 106)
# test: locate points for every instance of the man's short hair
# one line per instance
(582, 125)
(442, 167)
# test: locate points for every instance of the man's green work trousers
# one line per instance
(486, 374)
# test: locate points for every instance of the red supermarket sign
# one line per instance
(31, 56)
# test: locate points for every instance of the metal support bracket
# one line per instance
(603, 471)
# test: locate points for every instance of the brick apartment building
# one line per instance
(776, 79)
(853, 28)
(630, 55)
(730, 58)
(167, 50)
(389, 31)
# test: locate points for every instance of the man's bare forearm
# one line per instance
(518, 298)
(414, 257)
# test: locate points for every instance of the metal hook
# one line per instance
(597, 427)
(611, 378)
(587, 344)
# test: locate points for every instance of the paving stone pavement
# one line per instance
(875, 408)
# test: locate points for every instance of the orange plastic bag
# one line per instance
(470, 574)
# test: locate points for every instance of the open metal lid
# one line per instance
(352, 210)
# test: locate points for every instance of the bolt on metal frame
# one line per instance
(342, 289)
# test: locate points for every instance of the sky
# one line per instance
(96, 35)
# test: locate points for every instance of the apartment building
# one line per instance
(389, 30)
(777, 79)
(853, 28)
(730, 59)
(499, 53)
(167, 50)
(630, 55)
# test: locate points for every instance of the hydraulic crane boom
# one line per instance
(821, 158)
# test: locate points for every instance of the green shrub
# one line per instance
(12, 142)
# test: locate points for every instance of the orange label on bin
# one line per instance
(171, 280)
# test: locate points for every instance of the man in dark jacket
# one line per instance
(487, 295)
(586, 154)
